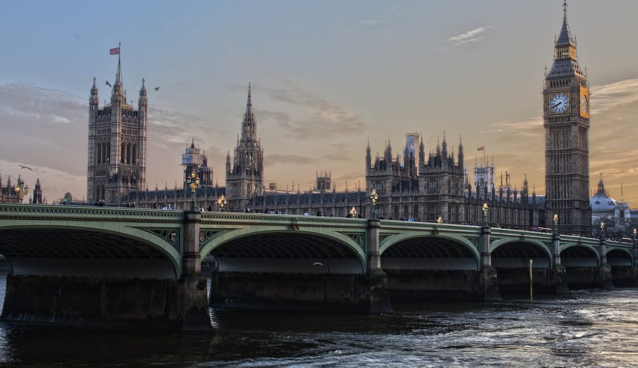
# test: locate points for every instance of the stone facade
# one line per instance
(117, 144)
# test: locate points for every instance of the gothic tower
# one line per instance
(37, 192)
(117, 144)
(566, 122)
(246, 178)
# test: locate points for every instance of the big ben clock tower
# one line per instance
(566, 122)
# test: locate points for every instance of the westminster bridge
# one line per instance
(137, 268)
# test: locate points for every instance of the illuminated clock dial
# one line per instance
(584, 104)
(559, 103)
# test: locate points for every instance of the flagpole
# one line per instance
(119, 59)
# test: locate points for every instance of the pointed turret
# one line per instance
(368, 157)
(421, 152)
(143, 92)
(461, 156)
(444, 146)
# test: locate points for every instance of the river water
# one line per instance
(598, 329)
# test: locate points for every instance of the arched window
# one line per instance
(107, 156)
(134, 162)
(99, 153)
(123, 154)
(128, 153)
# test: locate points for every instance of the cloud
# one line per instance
(320, 119)
(469, 36)
(368, 22)
(614, 94)
(610, 151)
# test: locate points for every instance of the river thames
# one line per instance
(583, 329)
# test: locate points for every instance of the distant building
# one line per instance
(37, 193)
(19, 192)
(194, 159)
(207, 195)
(618, 218)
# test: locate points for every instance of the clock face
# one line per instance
(584, 104)
(559, 103)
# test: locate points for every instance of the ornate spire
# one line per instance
(565, 36)
(249, 102)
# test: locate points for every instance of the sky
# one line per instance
(327, 76)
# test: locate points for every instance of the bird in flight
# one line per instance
(157, 88)
(108, 84)
(25, 167)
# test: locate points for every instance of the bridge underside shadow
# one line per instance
(512, 263)
(90, 278)
(288, 271)
(584, 269)
(82, 253)
(432, 268)
(622, 271)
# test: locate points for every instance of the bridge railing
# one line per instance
(31, 211)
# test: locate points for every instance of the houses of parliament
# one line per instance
(410, 183)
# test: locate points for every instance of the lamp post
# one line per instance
(602, 230)
(555, 223)
(633, 237)
(439, 220)
(221, 202)
(21, 190)
(374, 196)
(485, 210)
(193, 183)
(353, 212)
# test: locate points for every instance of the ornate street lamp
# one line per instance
(221, 202)
(633, 237)
(439, 220)
(193, 183)
(485, 210)
(602, 230)
(353, 212)
(555, 223)
(21, 191)
(373, 199)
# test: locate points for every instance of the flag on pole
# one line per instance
(115, 51)
(482, 148)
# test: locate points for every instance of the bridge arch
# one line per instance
(88, 249)
(516, 253)
(619, 257)
(579, 255)
(412, 248)
(260, 249)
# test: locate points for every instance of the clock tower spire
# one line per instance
(566, 122)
